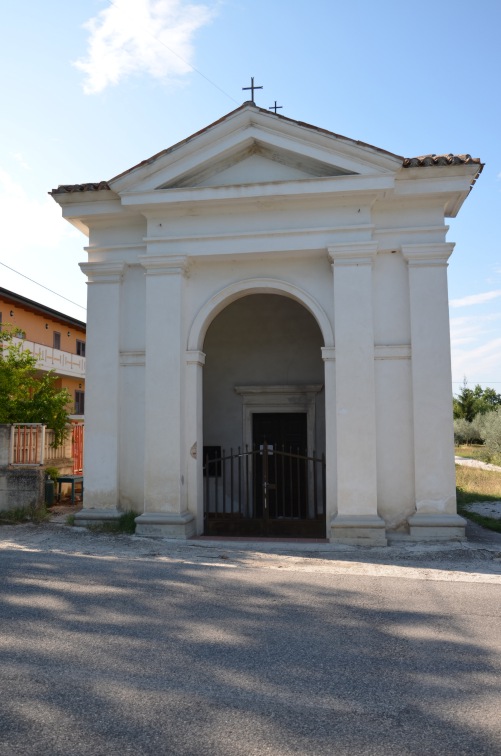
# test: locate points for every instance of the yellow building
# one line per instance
(56, 339)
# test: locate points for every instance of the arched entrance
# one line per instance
(264, 420)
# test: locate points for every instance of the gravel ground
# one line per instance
(467, 462)
(477, 559)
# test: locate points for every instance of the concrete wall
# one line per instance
(21, 487)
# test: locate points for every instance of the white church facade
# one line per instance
(268, 336)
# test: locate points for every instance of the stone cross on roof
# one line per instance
(252, 88)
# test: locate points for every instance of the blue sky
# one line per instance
(92, 87)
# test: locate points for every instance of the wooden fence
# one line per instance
(33, 444)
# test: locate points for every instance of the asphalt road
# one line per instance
(219, 656)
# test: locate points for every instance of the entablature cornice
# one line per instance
(427, 255)
(337, 186)
(391, 239)
(103, 272)
(353, 253)
(87, 216)
(259, 241)
(114, 248)
(165, 265)
(448, 189)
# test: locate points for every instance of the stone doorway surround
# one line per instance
(284, 398)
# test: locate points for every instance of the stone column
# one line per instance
(101, 489)
(436, 515)
(357, 520)
(194, 436)
(164, 482)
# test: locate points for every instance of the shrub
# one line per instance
(491, 430)
(466, 432)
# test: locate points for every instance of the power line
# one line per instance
(180, 58)
(43, 287)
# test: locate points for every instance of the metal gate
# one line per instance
(264, 491)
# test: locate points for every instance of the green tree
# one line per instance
(26, 397)
(465, 404)
(471, 402)
(487, 399)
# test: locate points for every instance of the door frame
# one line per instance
(281, 398)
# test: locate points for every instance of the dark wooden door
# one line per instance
(286, 478)
(282, 429)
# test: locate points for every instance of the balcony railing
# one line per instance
(64, 363)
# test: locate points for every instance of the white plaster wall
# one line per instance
(262, 339)
(271, 216)
(309, 271)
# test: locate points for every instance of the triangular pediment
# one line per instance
(256, 163)
(254, 146)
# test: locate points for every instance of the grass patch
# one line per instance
(124, 524)
(25, 514)
(70, 519)
(475, 485)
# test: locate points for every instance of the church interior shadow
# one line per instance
(147, 656)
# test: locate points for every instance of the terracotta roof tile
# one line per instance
(450, 159)
(92, 187)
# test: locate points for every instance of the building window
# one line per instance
(56, 341)
(79, 402)
(80, 348)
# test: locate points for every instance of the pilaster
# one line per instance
(436, 515)
(101, 492)
(329, 358)
(357, 520)
(164, 480)
(193, 447)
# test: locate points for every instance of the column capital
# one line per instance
(103, 273)
(427, 255)
(353, 253)
(195, 357)
(157, 265)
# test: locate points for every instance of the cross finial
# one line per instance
(275, 107)
(252, 88)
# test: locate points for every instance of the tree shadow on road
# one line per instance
(103, 656)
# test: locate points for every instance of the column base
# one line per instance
(358, 530)
(166, 525)
(88, 517)
(437, 527)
